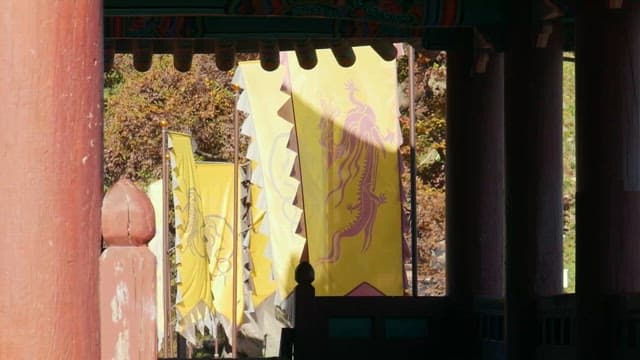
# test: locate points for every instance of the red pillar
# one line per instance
(475, 185)
(608, 169)
(51, 183)
(475, 173)
(533, 138)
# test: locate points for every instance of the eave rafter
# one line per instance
(225, 27)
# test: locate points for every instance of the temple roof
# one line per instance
(224, 27)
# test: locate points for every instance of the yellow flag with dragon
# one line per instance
(347, 125)
(216, 188)
(194, 302)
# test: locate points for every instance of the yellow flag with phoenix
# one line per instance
(216, 191)
(347, 126)
(194, 303)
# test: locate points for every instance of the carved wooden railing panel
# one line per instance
(408, 327)
(371, 327)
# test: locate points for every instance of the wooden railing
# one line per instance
(366, 327)
(489, 316)
(626, 317)
(329, 327)
(408, 327)
(557, 327)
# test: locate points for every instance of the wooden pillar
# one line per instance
(533, 138)
(128, 276)
(475, 181)
(51, 184)
(475, 173)
(608, 169)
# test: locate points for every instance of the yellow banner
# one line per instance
(261, 276)
(348, 136)
(216, 191)
(262, 100)
(156, 245)
(194, 302)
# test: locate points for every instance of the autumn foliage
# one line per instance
(199, 102)
(430, 122)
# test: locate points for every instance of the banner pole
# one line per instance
(165, 241)
(236, 146)
(414, 225)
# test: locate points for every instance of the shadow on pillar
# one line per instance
(608, 173)
(534, 213)
(475, 186)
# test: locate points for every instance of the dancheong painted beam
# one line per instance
(184, 28)
(248, 21)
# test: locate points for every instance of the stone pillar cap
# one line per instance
(128, 218)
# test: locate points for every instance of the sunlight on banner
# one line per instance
(262, 281)
(194, 302)
(216, 190)
(261, 100)
(348, 131)
(156, 246)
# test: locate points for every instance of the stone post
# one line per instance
(127, 276)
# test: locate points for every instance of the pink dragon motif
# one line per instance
(357, 153)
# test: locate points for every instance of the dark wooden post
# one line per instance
(533, 139)
(608, 172)
(475, 181)
(181, 347)
(306, 342)
(128, 275)
(51, 183)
